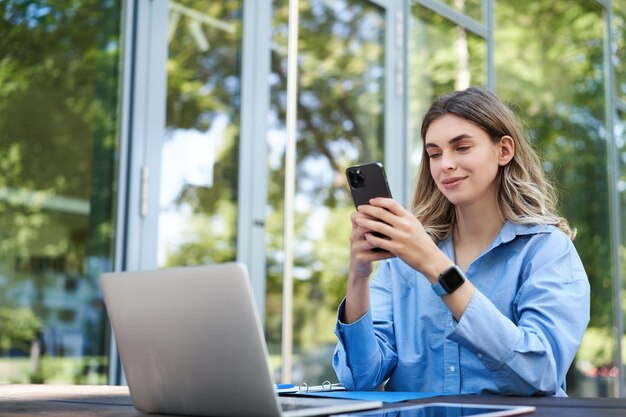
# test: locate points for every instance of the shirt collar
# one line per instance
(508, 232)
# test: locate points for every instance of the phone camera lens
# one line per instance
(356, 178)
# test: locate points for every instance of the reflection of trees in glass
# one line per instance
(58, 107)
(203, 90)
(619, 47)
(20, 332)
(549, 61)
(340, 122)
(472, 8)
(18, 328)
(620, 141)
(443, 57)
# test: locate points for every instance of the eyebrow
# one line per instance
(451, 141)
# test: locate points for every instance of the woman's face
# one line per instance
(464, 161)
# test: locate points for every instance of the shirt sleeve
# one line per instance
(531, 354)
(365, 354)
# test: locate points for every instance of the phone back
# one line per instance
(366, 182)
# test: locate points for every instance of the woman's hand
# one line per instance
(404, 237)
(362, 252)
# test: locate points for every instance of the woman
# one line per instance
(480, 289)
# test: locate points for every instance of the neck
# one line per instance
(477, 225)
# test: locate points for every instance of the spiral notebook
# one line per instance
(191, 343)
(305, 388)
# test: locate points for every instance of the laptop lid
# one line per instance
(191, 342)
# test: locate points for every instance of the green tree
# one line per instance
(18, 328)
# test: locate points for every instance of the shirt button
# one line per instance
(452, 368)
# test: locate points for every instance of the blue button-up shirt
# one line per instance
(518, 335)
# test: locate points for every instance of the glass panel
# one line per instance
(619, 47)
(442, 58)
(472, 8)
(198, 198)
(620, 141)
(340, 123)
(549, 65)
(58, 151)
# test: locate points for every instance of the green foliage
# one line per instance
(18, 328)
(202, 85)
(90, 370)
(206, 238)
(619, 41)
(598, 347)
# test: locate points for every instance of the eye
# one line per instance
(434, 155)
(463, 148)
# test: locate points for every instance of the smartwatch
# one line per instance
(451, 279)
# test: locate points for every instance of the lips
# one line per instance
(452, 182)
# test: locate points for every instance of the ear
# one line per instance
(507, 150)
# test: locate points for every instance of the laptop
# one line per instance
(191, 343)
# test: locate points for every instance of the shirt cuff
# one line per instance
(475, 331)
(357, 339)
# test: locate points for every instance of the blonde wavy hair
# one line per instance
(524, 194)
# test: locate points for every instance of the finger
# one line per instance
(382, 242)
(367, 212)
(363, 252)
(357, 236)
(378, 213)
(353, 216)
(373, 213)
(389, 204)
(358, 230)
(371, 254)
(377, 254)
(375, 226)
(382, 254)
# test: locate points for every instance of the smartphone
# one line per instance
(366, 182)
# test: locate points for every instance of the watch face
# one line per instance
(452, 279)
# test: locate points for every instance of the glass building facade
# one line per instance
(147, 134)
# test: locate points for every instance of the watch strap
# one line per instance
(438, 289)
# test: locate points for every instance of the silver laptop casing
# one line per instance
(176, 330)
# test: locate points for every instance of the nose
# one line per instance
(447, 162)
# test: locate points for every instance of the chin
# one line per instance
(458, 201)
(454, 198)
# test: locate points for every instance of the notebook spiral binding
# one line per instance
(325, 386)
